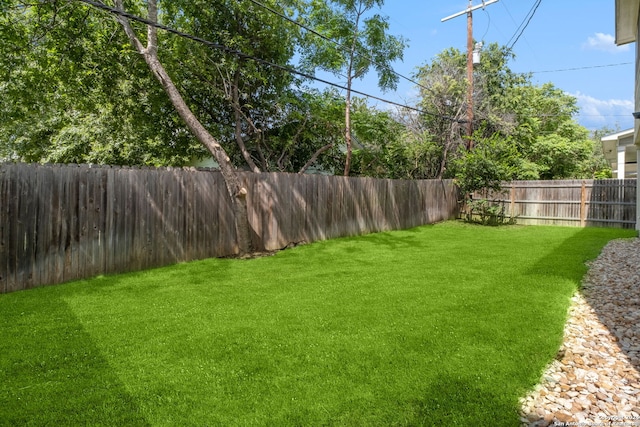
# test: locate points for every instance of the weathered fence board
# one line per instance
(65, 222)
(605, 202)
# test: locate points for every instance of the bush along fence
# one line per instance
(580, 203)
(67, 222)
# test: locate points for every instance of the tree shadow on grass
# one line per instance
(51, 373)
(571, 258)
(454, 401)
(397, 239)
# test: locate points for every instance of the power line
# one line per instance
(532, 12)
(289, 69)
(506, 8)
(488, 24)
(243, 55)
(604, 115)
(582, 68)
(337, 44)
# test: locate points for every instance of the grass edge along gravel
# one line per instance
(439, 325)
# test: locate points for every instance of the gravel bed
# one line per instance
(594, 380)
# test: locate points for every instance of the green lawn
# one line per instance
(440, 325)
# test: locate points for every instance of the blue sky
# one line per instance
(569, 43)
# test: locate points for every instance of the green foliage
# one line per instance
(361, 40)
(74, 90)
(484, 168)
(353, 41)
(375, 132)
(77, 93)
(237, 98)
(482, 171)
(558, 157)
(596, 166)
(487, 212)
(306, 123)
(536, 122)
(80, 93)
(414, 156)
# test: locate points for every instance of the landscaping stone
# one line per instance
(599, 361)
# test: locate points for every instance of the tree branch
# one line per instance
(314, 157)
(232, 181)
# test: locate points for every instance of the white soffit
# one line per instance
(626, 21)
(618, 136)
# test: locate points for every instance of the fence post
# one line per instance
(513, 200)
(583, 204)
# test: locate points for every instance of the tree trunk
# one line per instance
(234, 186)
(237, 109)
(350, 76)
(347, 133)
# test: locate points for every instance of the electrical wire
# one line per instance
(532, 12)
(337, 44)
(582, 68)
(302, 74)
(488, 24)
(242, 55)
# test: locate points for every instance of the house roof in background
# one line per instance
(618, 136)
(621, 140)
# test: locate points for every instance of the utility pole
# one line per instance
(469, 12)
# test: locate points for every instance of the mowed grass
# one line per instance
(440, 325)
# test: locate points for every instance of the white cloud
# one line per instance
(597, 113)
(605, 43)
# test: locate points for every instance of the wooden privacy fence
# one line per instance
(602, 202)
(66, 222)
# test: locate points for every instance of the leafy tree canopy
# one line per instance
(536, 121)
(74, 91)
